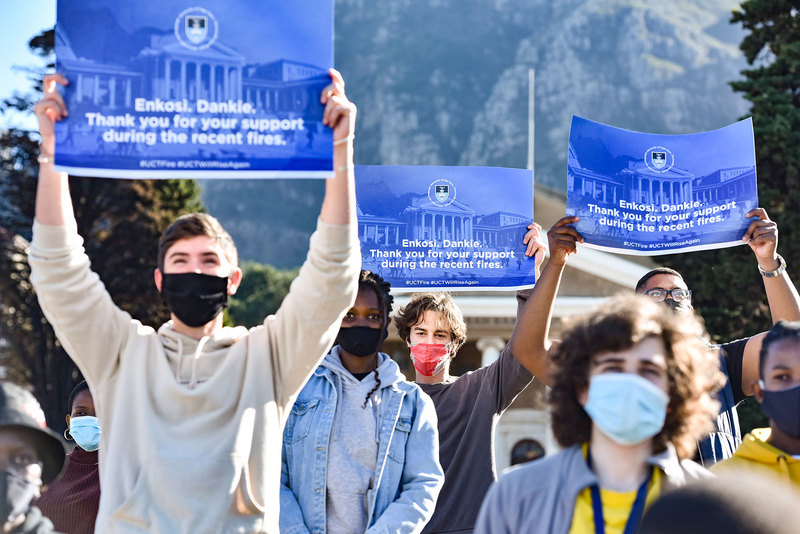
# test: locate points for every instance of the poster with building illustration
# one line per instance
(452, 228)
(206, 89)
(648, 194)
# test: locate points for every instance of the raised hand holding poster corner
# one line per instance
(208, 89)
(445, 228)
(649, 194)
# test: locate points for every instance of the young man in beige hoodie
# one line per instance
(192, 414)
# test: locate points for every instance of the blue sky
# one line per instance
(21, 20)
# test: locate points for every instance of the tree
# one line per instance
(730, 292)
(120, 221)
(260, 294)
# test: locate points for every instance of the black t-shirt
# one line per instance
(734, 356)
(467, 408)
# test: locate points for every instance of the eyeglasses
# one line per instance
(659, 294)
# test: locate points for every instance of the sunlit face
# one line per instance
(664, 281)
(365, 312)
(82, 405)
(667, 283)
(18, 454)
(432, 328)
(646, 359)
(200, 254)
(782, 365)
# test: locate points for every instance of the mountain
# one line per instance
(445, 82)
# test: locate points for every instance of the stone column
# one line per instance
(212, 82)
(227, 83)
(128, 92)
(184, 81)
(490, 348)
(96, 95)
(112, 92)
(167, 79)
(198, 80)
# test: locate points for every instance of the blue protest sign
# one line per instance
(222, 89)
(453, 228)
(649, 194)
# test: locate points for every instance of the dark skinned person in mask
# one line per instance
(775, 450)
(360, 449)
(30, 455)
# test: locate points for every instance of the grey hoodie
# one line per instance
(351, 457)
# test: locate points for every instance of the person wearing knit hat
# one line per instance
(71, 503)
(30, 455)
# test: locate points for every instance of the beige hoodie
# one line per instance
(201, 457)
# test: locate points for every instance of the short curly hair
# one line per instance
(693, 372)
(411, 314)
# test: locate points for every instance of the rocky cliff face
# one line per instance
(445, 82)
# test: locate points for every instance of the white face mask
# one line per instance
(626, 407)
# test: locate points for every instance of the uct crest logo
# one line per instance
(659, 159)
(196, 28)
(442, 192)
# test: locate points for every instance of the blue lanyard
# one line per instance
(636, 511)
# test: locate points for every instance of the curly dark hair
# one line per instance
(781, 330)
(410, 315)
(693, 373)
(368, 280)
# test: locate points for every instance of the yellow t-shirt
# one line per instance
(616, 507)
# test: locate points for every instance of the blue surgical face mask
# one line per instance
(86, 432)
(626, 407)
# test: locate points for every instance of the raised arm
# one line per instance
(53, 202)
(71, 295)
(326, 287)
(339, 204)
(530, 342)
(784, 302)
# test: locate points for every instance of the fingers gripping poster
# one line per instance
(218, 88)
(648, 194)
(452, 228)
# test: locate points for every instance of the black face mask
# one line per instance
(783, 407)
(360, 341)
(195, 298)
(680, 307)
(16, 495)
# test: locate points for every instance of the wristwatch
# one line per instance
(777, 272)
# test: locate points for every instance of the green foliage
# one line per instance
(120, 221)
(260, 293)
(730, 292)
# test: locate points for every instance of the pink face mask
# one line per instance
(429, 358)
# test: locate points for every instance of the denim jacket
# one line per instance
(407, 477)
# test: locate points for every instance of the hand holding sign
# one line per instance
(563, 239)
(49, 110)
(762, 236)
(340, 113)
(536, 247)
